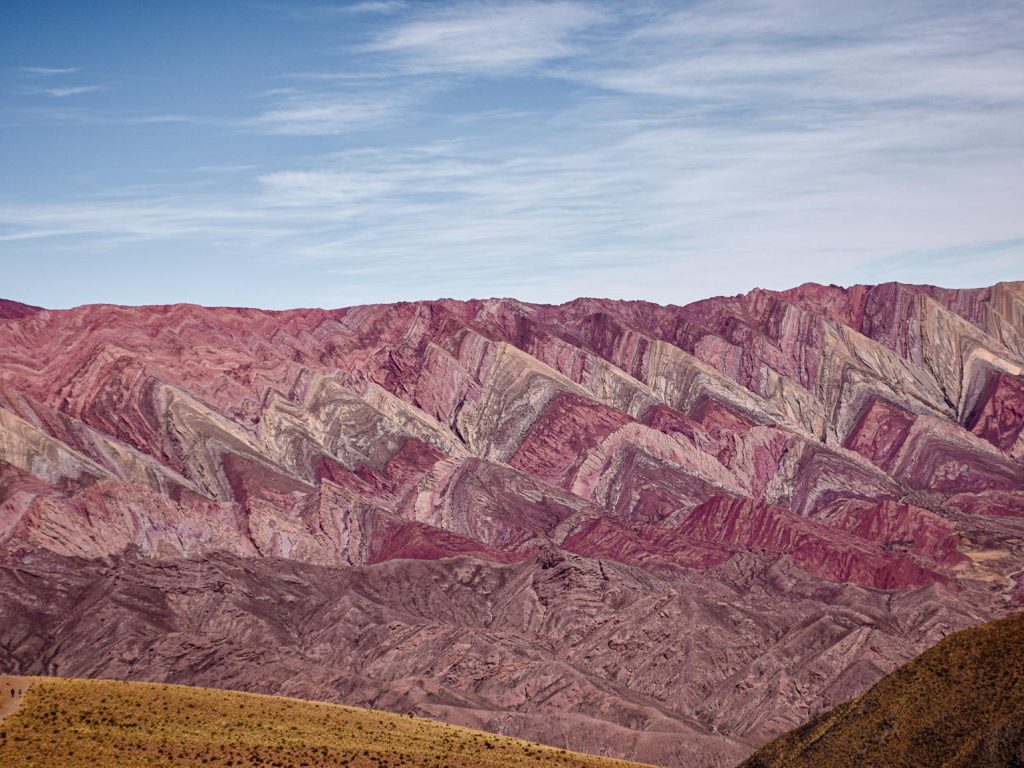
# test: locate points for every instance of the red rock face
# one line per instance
(677, 531)
(998, 415)
(880, 433)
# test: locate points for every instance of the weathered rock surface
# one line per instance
(678, 530)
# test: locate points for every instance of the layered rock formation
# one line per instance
(686, 528)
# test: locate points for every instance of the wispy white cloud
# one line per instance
(327, 113)
(377, 6)
(151, 218)
(342, 9)
(488, 38)
(753, 51)
(33, 76)
(74, 90)
(49, 70)
(71, 112)
(311, 190)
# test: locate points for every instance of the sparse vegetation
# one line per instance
(958, 705)
(103, 724)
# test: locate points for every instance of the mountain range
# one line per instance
(661, 533)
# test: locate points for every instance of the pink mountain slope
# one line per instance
(663, 533)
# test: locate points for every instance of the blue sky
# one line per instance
(283, 154)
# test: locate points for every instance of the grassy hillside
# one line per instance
(99, 723)
(959, 704)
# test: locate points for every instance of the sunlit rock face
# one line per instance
(664, 533)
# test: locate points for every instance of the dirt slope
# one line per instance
(959, 704)
(98, 723)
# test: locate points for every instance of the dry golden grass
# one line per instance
(958, 705)
(100, 724)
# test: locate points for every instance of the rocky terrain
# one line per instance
(662, 533)
(959, 705)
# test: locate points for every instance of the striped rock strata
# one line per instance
(679, 530)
